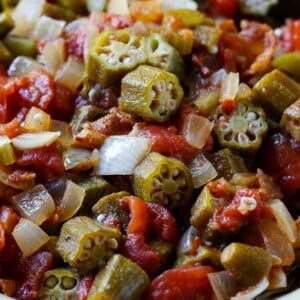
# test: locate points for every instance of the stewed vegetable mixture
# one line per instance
(149, 150)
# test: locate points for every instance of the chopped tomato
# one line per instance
(84, 287)
(148, 11)
(8, 219)
(183, 283)
(11, 129)
(224, 8)
(2, 236)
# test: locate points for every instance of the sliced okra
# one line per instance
(59, 284)
(121, 278)
(243, 129)
(20, 46)
(163, 180)
(151, 93)
(114, 53)
(6, 23)
(85, 244)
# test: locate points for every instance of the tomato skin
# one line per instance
(183, 283)
(84, 287)
(225, 8)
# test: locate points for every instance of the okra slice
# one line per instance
(288, 62)
(85, 244)
(248, 264)
(150, 93)
(227, 162)
(163, 180)
(59, 284)
(5, 55)
(58, 12)
(208, 36)
(243, 130)
(275, 92)
(121, 278)
(164, 56)
(77, 6)
(6, 23)
(20, 46)
(290, 120)
(114, 53)
(108, 210)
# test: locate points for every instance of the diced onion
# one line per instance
(284, 219)
(29, 236)
(36, 120)
(70, 203)
(178, 4)
(186, 243)
(48, 28)
(217, 77)
(253, 291)
(277, 278)
(4, 297)
(196, 130)
(202, 170)
(98, 5)
(80, 158)
(120, 7)
(36, 204)
(70, 75)
(34, 140)
(7, 154)
(91, 31)
(120, 154)
(229, 86)
(22, 65)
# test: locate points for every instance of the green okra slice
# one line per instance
(164, 56)
(6, 23)
(20, 46)
(58, 12)
(248, 264)
(76, 6)
(113, 54)
(290, 120)
(275, 92)
(121, 278)
(227, 162)
(85, 244)
(288, 62)
(150, 93)
(163, 180)
(243, 129)
(59, 283)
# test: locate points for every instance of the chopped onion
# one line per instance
(74, 25)
(70, 75)
(4, 297)
(35, 140)
(29, 236)
(53, 55)
(120, 7)
(277, 278)
(202, 170)
(229, 86)
(36, 204)
(70, 203)
(80, 158)
(253, 291)
(186, 243)
(178, 4)
(120, 154)
(98, 5)
(196, 130)
(224, 285)
(284, 219)
(91, 31)
(22, 65)
(217, 77)
(48, 28)
(37, 120)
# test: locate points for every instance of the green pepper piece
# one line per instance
(164, 56)
(243, 130)
(275, 92)
(290, 120)
(113, 54)
(227, 162)
(208, 36)
(6, 23)
(248, 264)
(58, 12)
(59, 284)
(85, 244)
(288, 62)
(108, 209)
(95, 187)
(121, 278)
(163, 180)
(20, 46)
(150, 93)
(5, 56)
(76, 6)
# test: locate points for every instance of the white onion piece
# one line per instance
(186, 242)
(4, 297)
(253, 291)
(230, 86)
(93, 5)
(91, 31)
(80, 158)
(48, 28)
(223, 285)
(277, 278)
(202, 170)
(74, 25)
(22, 65)
(70, 75)
(120, 7)
(70, 203)
(35, 140)
(284, 219)
(217, 77)
(178, 4)
(29, 236)
(196, 130)
(120, 154)
(36, 204)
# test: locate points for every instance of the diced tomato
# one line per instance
(75, 41)
(148, 11)
(183, 283)
(8, 219)
(11, 129)
(136, 249)
(224, 8)
(2, 236)
(84, 287)
(228, 105)
(167, 141)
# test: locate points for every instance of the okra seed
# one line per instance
(162, 110)
(127, 60)
(88, 244)
(51, 282)
(152, 94)
(172, 104)
(161, 86)
(156, 183)
(251, 116)
(164, 171)
(181, 182)
(112, 243)
(84, 256)
(112, 61)
(68, 283)
(98, 240)
(175, 172)
(247, 204)
(170, 86)
(177, 197)
(224, 127)
(242, 138)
